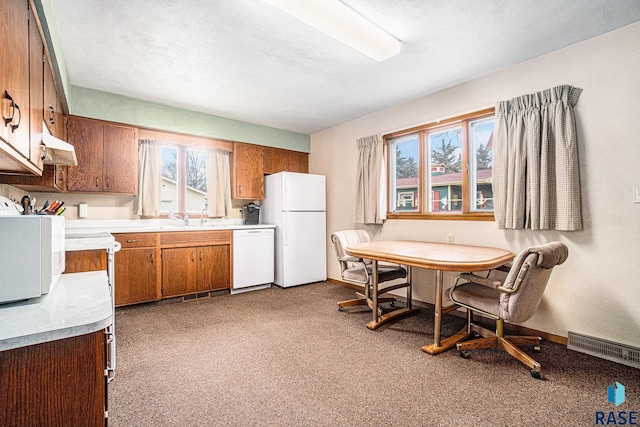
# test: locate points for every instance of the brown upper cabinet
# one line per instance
(107, 157)
(248, 175)
(53, 115)
(278, 160)
(251, 162)
(15, 143)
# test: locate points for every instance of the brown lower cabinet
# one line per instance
(194, 269)
(57, 383)
(136, 267)
(136, 276)
(152, 266)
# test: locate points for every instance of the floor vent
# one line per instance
(604, 349)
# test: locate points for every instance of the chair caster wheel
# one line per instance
(465, 354)
(535, 374)
(392, 303)
(339, 308)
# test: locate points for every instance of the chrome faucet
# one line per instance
(206, 208)
(184, 218)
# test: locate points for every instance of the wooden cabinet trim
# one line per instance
(90, 260)
(190, 238)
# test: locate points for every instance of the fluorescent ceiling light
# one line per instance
(339, 21)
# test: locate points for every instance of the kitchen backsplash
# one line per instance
(98, 206)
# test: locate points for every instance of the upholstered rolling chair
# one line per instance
(513, 296)
(358, 271)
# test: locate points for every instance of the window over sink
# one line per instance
(183, 179)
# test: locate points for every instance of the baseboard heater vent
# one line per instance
(604, 349)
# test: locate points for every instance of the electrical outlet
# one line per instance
(636, 195)
(451, 238)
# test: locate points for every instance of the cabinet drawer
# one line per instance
(137, 240)
(190, 238)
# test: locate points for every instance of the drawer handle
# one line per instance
(97, 185)
(52, 120)
(131, 241)
(152, 258)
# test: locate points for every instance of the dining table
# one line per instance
(440, 257)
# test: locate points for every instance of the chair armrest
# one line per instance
(349, 258)
(516, 285)
(490, 283)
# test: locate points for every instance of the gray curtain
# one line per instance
(370, 200)
(536, 180)
(218, 183)
(148, 201)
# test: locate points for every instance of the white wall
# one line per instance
(597, 290)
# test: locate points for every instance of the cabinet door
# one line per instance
(55, 383)
(248, 176)
(179, 271)
(213, 268)
(87, 140)
(297, 162)
(136, 277)
(120, 160)
(51, 103)
(14, 74)
(274, 160)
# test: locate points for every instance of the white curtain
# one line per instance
(370, 201)
(218, 183)
(536, 179)
(148, 200)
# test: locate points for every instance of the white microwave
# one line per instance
(31, 255)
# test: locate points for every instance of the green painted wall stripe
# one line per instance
(116, 108)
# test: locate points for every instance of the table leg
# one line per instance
(395, 314)
(439, 345)
(437, 321)
(409, 295)
(374, 287)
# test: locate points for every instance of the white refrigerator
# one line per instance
(296, 204)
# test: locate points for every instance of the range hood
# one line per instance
(56, 151)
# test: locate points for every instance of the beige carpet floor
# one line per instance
(288, 357)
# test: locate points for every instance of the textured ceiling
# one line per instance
(246, 60)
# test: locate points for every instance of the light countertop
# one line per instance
(75, 227)
(79, 304)
(86, 241)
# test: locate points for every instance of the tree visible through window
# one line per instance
(406, 174)
(451, 159)
(184, 179)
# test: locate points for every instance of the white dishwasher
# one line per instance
(253, 259)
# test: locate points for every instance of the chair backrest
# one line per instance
(342, 239)
(534, 264)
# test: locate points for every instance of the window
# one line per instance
(184, 179)
(442, 169)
